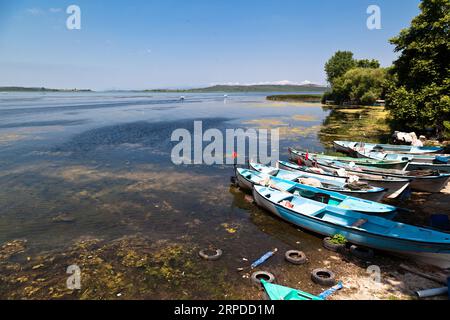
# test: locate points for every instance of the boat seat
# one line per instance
(322, 197)
(359, 223)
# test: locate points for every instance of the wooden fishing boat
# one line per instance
(443, 167)
(296, 155)
(365, 153)
(277, 292)
(394, 186)
(248, 177)
(330, 183)
(350, 147)
(423, 244)
(426, 181)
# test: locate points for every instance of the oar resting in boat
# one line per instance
(250, 178)
(365, 230)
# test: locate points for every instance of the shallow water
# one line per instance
(101, 161)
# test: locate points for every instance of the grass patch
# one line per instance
(369, 124)
(296, 97)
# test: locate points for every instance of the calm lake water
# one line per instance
(98, 165)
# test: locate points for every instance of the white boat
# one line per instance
(364, 192)
(394, 186)
(351, 146)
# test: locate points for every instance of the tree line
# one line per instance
(416, 88)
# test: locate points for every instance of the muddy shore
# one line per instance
(138, 268)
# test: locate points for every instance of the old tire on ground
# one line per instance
(323, 277)
(361, 252)
(211, 257)
(332, 246)
(295, 257)
(258, 275)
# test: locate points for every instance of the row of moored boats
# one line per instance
(342, 195)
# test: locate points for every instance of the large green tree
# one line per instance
(366, 63)
(418, 95)
(338, 65)
(343, 61)
(360, 85)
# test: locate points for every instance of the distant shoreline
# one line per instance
(35, 89)
(307, 89)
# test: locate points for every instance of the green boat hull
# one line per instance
(277, 292)
(300, 155)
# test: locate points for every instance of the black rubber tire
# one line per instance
(202, 253)
(361, 252)
(295, 257)
(262, 274)
(323, 277)
(332, 246)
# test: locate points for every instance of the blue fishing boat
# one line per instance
(423, 244)
(251, 177)
(351, 146)
(337, 184)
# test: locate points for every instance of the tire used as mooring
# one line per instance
(361, 252)
(323, 277)
(257, 275)
(295, 257)
(203, 254)
(332, 246)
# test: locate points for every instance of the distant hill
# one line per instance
(35, 89)
(250, 88)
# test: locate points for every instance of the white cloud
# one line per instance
(35, 11)
(55, 10)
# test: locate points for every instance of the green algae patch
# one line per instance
(127, 268)
(296, 97)
(266, 123)
(12, 248)
(304, 117)
(369, 124)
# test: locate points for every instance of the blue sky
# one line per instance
(189, 43)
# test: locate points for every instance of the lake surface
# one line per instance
(97, 165)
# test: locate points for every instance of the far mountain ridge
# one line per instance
(251, 88)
